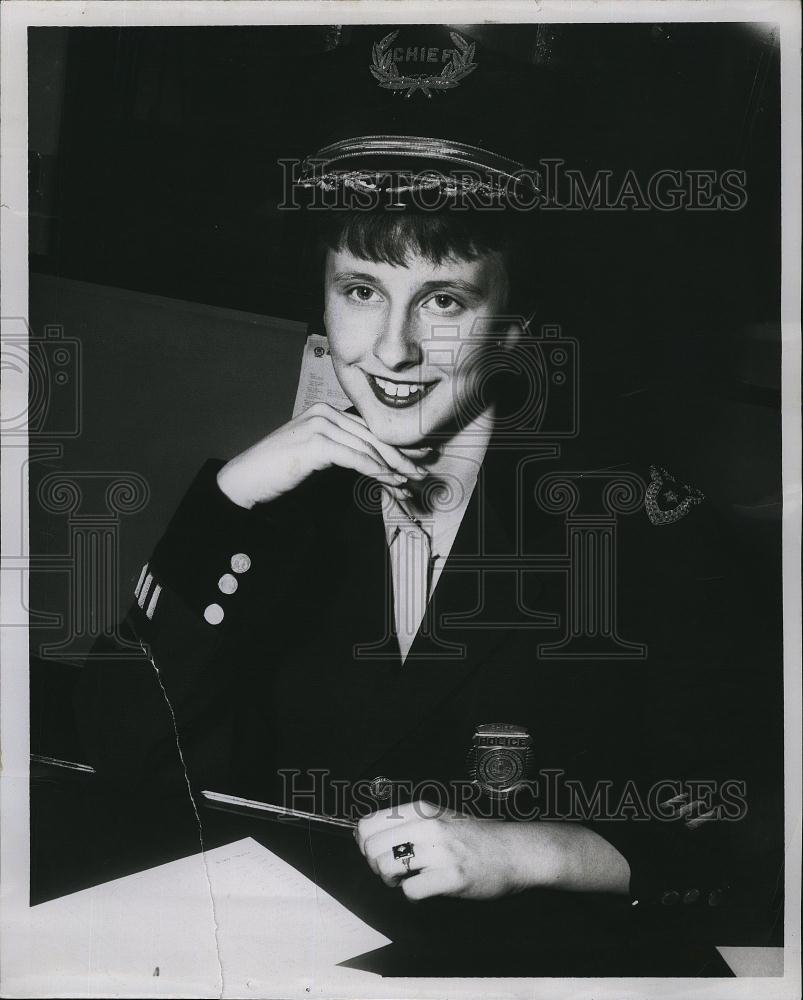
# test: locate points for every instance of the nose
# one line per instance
(397, 345)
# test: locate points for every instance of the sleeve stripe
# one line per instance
(141, 578)
(143, 594)
(152, 603)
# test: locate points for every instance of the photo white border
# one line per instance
(15, 17)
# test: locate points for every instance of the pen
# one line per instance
(266, 810)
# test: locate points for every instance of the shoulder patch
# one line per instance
(667, 499)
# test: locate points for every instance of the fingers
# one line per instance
(392, 818)
(691, 811)
(418, 454)
(696, 814)
(426, 857)
(398, 492)
(361, 461)
(329, 424)
(432, 882)
(414, 824)
(421, 834)
(702, 818)
(327, 430)
(391, 870)
(379, 822)
(379, 849)
(431, 865)
(339, 447)
(395, 457)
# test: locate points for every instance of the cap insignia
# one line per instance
(459, 62)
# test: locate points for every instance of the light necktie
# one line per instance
(412, 562)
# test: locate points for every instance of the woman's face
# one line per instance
(408, 342)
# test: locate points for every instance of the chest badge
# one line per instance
(500, 758)
(668, 499)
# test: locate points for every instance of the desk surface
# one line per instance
(234, 921)
(268, 904)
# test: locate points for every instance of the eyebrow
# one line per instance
(356, 276)
(458, 283)
(465, 286)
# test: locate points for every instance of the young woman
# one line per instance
(421, 428)
(506, 659)
(313, 639)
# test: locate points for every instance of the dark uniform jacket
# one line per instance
(603, 609)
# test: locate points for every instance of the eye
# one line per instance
(444, 304)
(362, 293)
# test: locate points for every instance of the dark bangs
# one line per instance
(395, 237)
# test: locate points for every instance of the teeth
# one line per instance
(401, 389)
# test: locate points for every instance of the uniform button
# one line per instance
(670, 898)
(691, 896)
(240, 562)
(214, 614)
(714, 897)
(380, 788)
(227, 584)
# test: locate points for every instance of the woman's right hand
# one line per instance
(314, 440)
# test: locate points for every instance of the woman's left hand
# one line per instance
(454, 855)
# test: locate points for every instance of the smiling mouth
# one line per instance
(399, 395)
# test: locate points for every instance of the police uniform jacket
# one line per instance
(602, 608)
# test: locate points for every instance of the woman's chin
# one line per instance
(399, 437)
(412, 429)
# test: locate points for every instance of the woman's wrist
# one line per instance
(536, 855)
(227, 481)
(565, 856)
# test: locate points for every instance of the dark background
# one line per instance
(154, 155)
(154, 168)
(157, 248)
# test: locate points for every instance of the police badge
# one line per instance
(500, 758)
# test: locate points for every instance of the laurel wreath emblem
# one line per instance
(384, 69)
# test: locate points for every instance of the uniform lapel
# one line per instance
(468, 618)
(362, 605)
(454, 640)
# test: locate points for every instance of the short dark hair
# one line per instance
(391, 237)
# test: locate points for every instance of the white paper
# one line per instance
(317, 382)
(270, 932)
